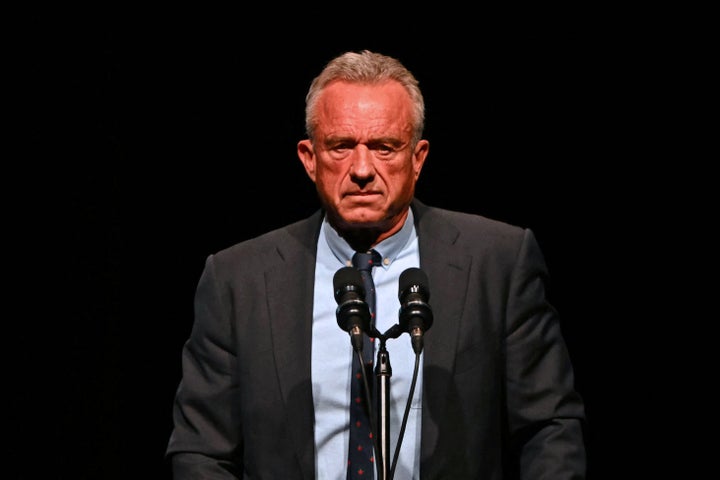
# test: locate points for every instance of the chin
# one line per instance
(362, 217)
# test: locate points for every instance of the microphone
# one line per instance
(416, 316)
(352, 312)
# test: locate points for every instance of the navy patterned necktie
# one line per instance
(360, 454)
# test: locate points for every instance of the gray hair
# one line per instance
(370, 68)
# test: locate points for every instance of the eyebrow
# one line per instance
(373, 141)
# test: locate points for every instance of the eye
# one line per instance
(339, 150)
(341, 147)
(383, 149)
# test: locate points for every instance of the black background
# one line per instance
(161, 138)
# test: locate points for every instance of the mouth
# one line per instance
(364, 193)
(363, 196)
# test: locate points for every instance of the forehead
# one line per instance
(345, 105)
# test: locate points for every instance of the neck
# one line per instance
(363, 238)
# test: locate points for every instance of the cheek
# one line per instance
(329, 174)
(401, 174)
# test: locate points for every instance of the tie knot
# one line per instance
(366, 260)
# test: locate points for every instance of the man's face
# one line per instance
(362, 160)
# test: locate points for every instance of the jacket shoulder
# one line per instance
(292, 239)
(465, 228)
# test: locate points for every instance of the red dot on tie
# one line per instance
(361, 471)
(370, 435)
(359, 448)
(358, 400)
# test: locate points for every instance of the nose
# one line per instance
(362, 165)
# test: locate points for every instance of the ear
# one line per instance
(306, 154)
(421, 151)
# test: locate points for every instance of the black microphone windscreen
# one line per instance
(416, 279)
(347, 278)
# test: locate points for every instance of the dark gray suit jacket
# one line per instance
(498, 400)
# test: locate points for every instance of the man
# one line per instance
(266, 385)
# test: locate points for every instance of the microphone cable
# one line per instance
(405, 416)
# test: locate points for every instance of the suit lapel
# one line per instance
(447, 271)
(290, 298)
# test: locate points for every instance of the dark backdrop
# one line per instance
(163, 139)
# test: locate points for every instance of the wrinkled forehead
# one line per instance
(364, 109)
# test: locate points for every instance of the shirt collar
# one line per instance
(388, 249)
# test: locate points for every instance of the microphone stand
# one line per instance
(383, 372)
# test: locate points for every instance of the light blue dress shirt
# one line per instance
(332, 355)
